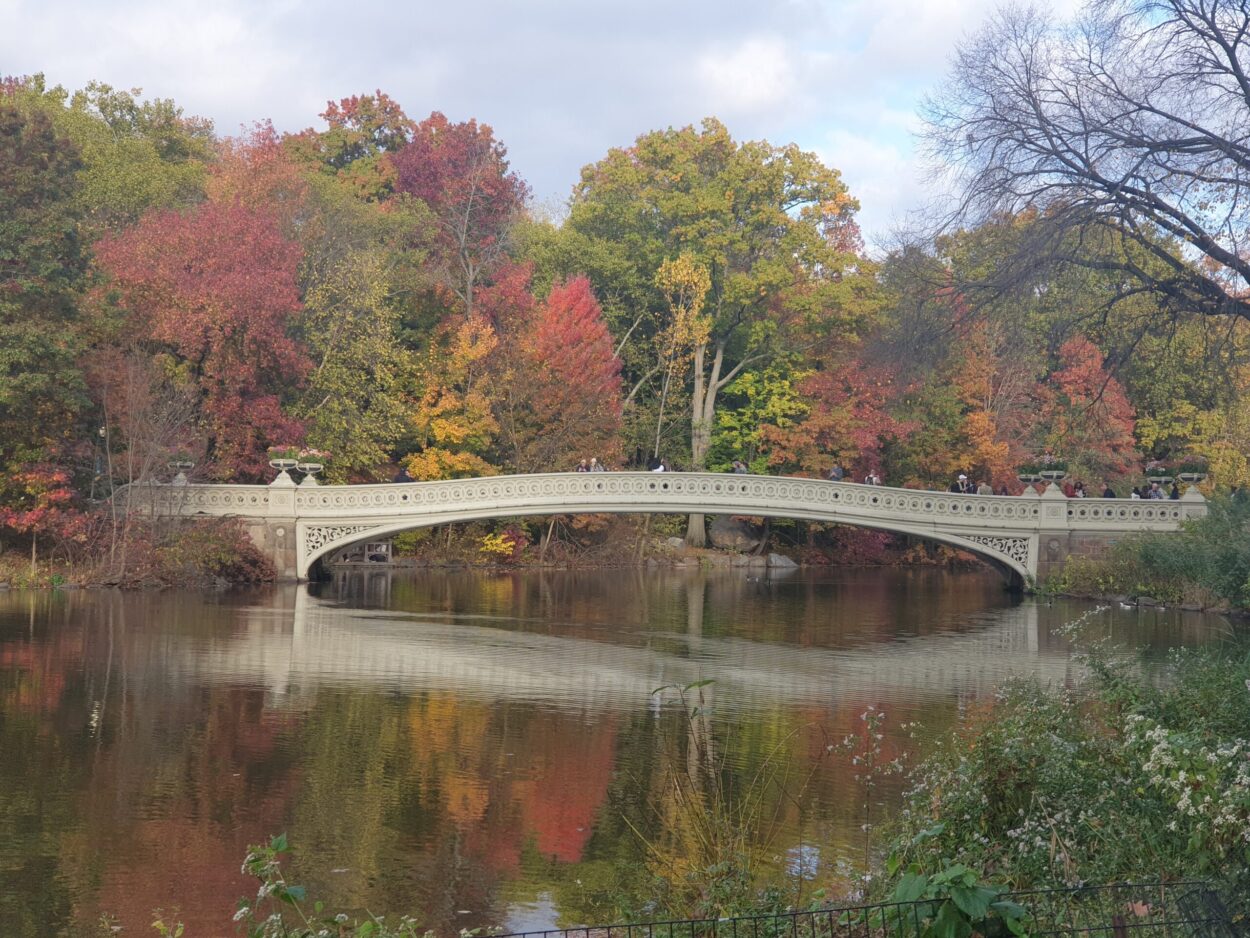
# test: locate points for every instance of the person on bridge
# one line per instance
(872, 478)
(836, 473)
(595, 465)
(984, 488)
(739, 467)
(1175, 494)
(1108, 491)
(961, 485)
(582, 466)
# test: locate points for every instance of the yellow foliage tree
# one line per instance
(685, 284)
(453, 418)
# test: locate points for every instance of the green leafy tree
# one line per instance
(42, 269)
(136, 155)
(773, 227)
(357, 404)
(758, 402)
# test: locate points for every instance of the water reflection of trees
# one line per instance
(147, 739)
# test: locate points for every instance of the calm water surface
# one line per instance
(473, 747)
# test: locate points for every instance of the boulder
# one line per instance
(733, 534)
(781, 562)
(676, 543)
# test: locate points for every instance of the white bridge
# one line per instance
(1027, 537)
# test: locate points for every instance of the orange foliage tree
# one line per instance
(560, 384)
(1085, 416)
(846, 424)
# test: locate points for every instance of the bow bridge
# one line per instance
(1027, 537)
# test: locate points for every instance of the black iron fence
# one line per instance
(1125, 910)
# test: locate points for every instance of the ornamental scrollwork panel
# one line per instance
(317, 536)
(1017, 548)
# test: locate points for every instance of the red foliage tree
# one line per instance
(256, 169)
(507, 302)
(1087, 415)
(461, 172)
(560, 383)
(217, 287)
(847, 422)
(38, 500)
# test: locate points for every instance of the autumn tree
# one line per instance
(1085, 414)
(42, 270)
(38, 501)
(217, 289)
(256, 169)
(358, 398)
(838, 414)
(362, 131)
(773, 227)
(684, 283)
(453, 418)
(460, 171)
(560, 390)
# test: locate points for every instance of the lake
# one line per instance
(479, 748)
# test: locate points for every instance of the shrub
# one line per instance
(210, 551)
(281, 910)
(1126, 781)
(505, 546)
(1209, 555)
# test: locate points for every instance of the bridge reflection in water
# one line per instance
(317, 642)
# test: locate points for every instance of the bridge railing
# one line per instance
(683, 490)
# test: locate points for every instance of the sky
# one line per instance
(560, 81)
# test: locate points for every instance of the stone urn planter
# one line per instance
(310, 470)
(284, 460)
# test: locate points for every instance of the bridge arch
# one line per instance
(1009, 555)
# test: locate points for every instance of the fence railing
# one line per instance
(1188, 909)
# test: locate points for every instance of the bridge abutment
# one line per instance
(274, 532)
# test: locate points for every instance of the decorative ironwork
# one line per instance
(1016, 548)
(317, 536)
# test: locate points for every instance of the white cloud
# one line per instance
(561, 81)
(882, 174)
(749, 77)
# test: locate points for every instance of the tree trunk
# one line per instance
(542, 552)
(702, 415)
(642, 538)
(696, 531)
